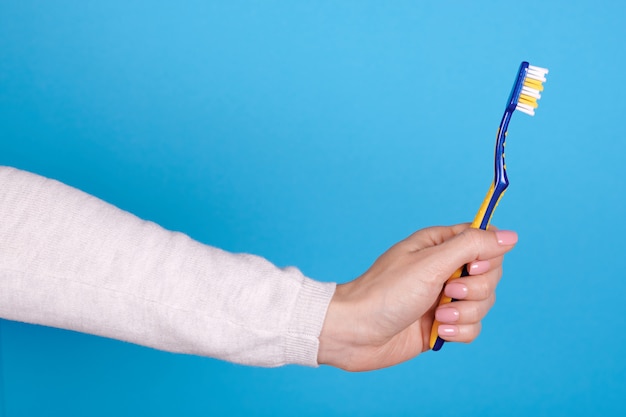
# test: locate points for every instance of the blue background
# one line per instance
(318, 134)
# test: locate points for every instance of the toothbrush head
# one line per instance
(528, 88)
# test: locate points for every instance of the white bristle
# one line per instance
(531, 92)
(538, 69)
(537, 73)
(536, 76)
(525, 108)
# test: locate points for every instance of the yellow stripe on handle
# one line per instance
(478, 219)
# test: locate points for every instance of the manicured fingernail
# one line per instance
(478, 267)
(447, 315)
(447, 330)
(456, 290)
(506, 237)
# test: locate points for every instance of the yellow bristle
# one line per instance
(529, 82)
(531, 101)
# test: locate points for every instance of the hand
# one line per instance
(384, 317)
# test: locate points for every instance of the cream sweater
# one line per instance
(70, 260)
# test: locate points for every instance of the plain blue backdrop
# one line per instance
(317, 134)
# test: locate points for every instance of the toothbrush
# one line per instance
(524, 95)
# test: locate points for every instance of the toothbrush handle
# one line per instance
(481, 221)
(437, 342)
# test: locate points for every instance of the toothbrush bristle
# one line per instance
(531, 89)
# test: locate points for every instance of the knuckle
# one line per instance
(498, 274)
(477, 329)
(483, 289)
(474, 313)
(474, 240)
(471, 332)
(470, 312)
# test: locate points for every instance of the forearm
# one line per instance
(69, 260)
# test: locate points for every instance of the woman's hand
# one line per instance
(384, 317)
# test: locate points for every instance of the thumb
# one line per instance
(476, 244)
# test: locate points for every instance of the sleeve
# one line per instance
(70, 260)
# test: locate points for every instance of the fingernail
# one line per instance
(506, 237)
(447, 330)
(447, 315)
(478, 267)
(456, 290)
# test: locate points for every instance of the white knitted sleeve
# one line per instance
(70, 260)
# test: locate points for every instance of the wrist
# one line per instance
(337, 331)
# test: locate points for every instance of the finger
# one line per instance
(484, 266)
(480, 267)
(464, 312)
(459, 332)
(474, 288)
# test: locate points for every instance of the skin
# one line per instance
(384, 317)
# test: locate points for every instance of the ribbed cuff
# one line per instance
(302, 340)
